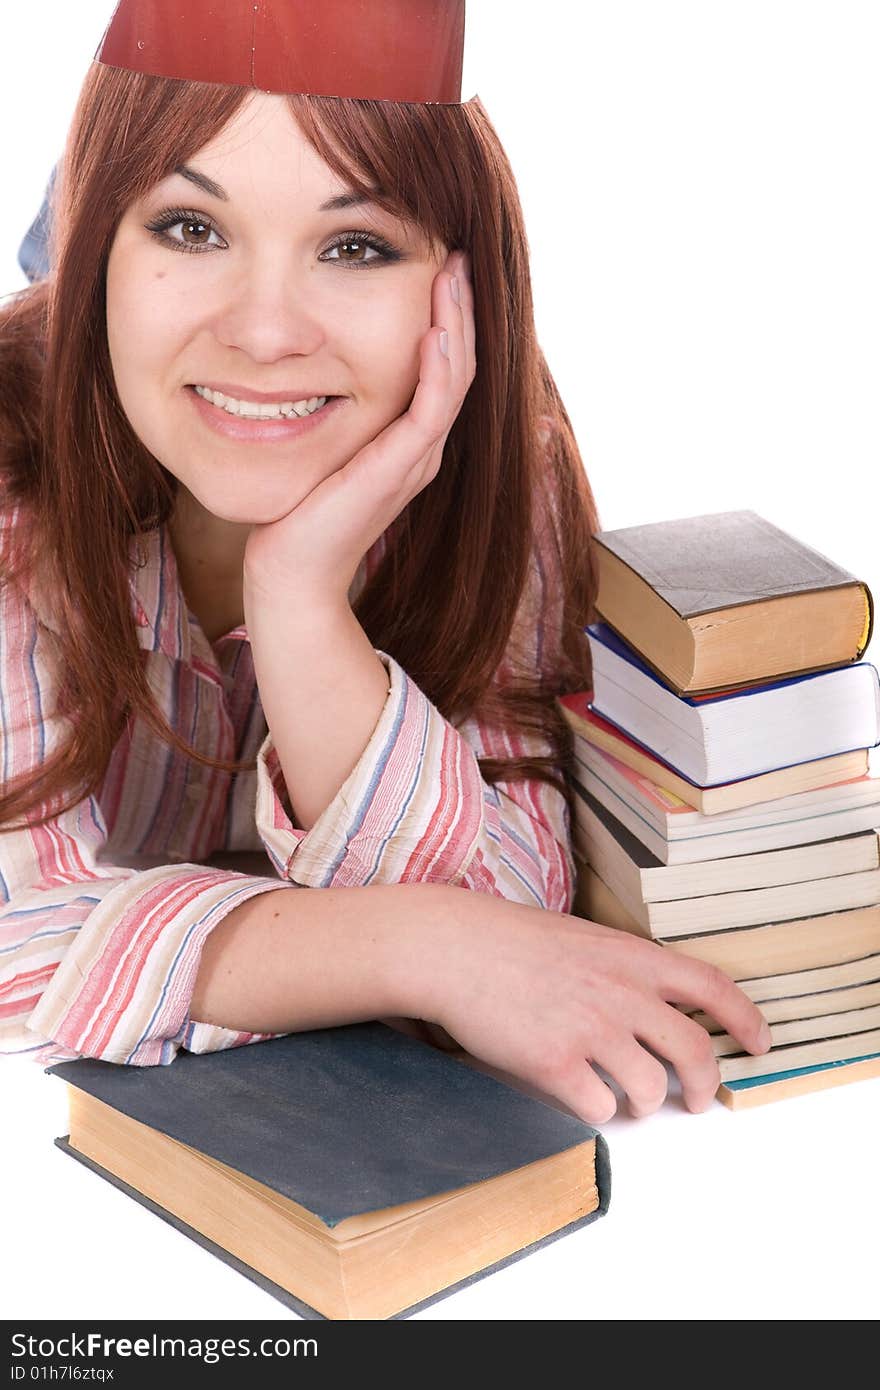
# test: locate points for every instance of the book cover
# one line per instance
(729, 599)
(750, 1091)
(343, 1121)
(700, 564)
(602, 633)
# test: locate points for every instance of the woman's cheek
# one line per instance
(402, 361)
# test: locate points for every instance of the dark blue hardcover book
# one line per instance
(601, 632)
(349, 1133)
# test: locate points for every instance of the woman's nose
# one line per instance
(270, 312)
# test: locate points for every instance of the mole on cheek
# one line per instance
(160, 274)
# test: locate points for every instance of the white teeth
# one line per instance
(254, 410)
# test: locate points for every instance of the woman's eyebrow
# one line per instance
(345, 200)
(342, 200)
(207, 185)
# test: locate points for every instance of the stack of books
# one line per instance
(725, 805)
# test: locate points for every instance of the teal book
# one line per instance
(353, 1173)
(778, 1085)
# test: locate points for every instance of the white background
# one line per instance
(701, 195)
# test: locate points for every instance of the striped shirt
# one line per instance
(104, 910)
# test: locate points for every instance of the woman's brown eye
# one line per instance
(199, 233)
(347, 245)
(184, 231)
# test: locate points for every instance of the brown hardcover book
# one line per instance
(728, 599)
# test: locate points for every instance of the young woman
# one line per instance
(296, 558)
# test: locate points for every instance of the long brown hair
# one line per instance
(463, 565)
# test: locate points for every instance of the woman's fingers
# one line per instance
(622, 1051)
(453, 308)
(581, 1088)
(636, 1012)
(684, 1043)
(453, 316)
(698, 985)
(689, 1048)
(641, 1076)
(671, 975)
(469, 326)
(670, 1035)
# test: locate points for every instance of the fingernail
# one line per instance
(444, 343)
(454, 289)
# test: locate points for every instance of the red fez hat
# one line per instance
(388, 50)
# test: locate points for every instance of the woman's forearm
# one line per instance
(544, 996)
(291, 960)
(322, 688)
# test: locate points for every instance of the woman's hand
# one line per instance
(319, 545)
(544, 996)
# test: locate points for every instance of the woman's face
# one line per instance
(254, 290)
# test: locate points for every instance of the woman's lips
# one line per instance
(262, 431)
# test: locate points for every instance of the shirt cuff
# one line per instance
(410, 811)
(122, 992)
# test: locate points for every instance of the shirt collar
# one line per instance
(158, 604)
(162, 618)
(164, 623)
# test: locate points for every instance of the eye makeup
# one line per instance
(170, 218)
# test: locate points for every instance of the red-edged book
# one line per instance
(747, 791)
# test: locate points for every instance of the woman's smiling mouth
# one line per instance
(259, 408)
(256, 417)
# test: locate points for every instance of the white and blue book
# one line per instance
(722, 737)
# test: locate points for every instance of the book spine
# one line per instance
(869, 622)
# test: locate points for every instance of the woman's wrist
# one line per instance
(318, 958)
(322, 687)
(434, 949)
(296, 600)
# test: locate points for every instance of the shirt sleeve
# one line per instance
(33, 254)
(415, 808)
(96, 960)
